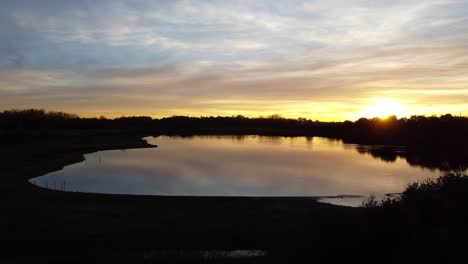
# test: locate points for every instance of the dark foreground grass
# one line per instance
(429, 218)
(45, 226)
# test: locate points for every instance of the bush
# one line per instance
(447, 191)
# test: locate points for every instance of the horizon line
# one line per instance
(271, 116)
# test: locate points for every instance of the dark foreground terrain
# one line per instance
(43, 226)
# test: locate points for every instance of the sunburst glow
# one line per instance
(383, 107)
(320, 60)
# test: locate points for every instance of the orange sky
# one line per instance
(326, 60)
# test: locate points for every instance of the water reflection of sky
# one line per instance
(239, 166)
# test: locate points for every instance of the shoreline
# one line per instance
(57, 226)
(39, 219)
(138, 142)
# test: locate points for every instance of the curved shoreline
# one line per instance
(39, 219)
(327, 199)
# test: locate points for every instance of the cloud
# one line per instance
(314, 58)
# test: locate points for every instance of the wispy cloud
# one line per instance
(301, 58)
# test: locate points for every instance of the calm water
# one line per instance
(240, 166)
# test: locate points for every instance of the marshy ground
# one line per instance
(42, 224)
(46, 226)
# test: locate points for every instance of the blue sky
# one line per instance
(329, 60)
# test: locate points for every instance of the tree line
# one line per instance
(445, 130)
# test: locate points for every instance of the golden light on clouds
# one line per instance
(329, 60)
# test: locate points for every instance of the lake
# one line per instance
(338, 173)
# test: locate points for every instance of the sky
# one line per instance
(323, 60)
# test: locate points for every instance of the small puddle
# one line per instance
(204, 254)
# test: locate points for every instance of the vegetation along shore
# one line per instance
(45, 226)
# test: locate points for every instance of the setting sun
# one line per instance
(383, 107)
